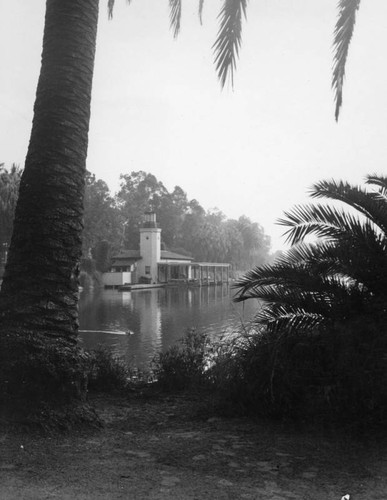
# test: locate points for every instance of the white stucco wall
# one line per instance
(116, 279)
(150, 244)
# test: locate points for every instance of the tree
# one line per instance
(102, 219)
(42, 269)
(9, 189)
(340, 275)
(139, 193)
(322, 341)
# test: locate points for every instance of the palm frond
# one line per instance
(342, 39)
(111, 7)
(201, 3)
(283, 274)
(314, 278)
(380, 181)
(289, 319)
(319, 220)
(370, 204)
(229, 38)
(175, 16)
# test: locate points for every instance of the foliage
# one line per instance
(184, 365)
(102, 256)
(207, 236)
(107, 373)
(102, 219)
(339, 375)
(139, 192)
(9, 189)
(323, 307)
(342, 39)
(229, 38)
(88, 265)
(341, 273)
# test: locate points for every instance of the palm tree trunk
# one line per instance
(39, 295)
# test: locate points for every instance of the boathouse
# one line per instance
(153, 266)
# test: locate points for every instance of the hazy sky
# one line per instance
(157, 105)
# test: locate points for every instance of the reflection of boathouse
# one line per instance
(151, 265)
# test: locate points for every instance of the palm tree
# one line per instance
(39, 293)
(322, 342)
(340, 274)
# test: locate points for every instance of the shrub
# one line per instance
(337, 374)
(184, 365)
(107, 372)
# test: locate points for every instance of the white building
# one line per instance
(153, 266)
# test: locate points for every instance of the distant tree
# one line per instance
(248, 244)
(171, 212)
(102, 256)
(9, 190)
(102, 219)
(139, 192)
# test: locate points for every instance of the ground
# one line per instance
(171, 447)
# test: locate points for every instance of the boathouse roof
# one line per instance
(126, 257)
(167, 255)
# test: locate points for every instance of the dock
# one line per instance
(139, 286)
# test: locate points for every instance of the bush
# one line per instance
(184, 366)
(107, 372)
(336, 374)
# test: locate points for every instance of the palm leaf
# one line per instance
(381, 182)
(175, 16)
(289, 319)
(229, 38)
(342, 39)
(313, 271)
(319, 220)
(370, 204)
(111, 7)
(201, 3)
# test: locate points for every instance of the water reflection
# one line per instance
(157, 318)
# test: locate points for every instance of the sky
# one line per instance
(254, 149)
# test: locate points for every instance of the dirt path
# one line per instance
(164, 448)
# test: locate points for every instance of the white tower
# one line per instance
(150, 245)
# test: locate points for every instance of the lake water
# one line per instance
(157, 318)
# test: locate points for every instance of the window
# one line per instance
(147, 269)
